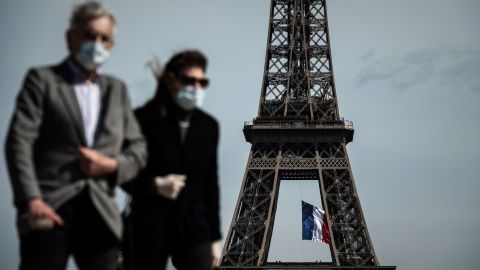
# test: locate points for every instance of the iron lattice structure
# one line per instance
(298, 135)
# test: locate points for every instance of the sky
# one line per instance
(406, 74)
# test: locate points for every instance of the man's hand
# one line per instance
(170, 186)
(94, 163)
(216, 252)
(41, 216)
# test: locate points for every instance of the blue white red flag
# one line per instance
(314, 226)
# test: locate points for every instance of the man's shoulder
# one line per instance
(62, 70)
(117, 87)
(113, 79)
(43, 71)
(50, 71)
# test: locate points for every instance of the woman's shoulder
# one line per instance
(145, 114)
(206, 118)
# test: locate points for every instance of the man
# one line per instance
(73, 138)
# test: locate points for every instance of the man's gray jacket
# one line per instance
(46, 131)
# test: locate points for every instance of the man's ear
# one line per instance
(70, 40)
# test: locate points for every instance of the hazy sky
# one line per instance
(407, 75)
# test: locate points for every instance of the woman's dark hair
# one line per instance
(174, 69)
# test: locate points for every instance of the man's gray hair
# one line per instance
(84, 13)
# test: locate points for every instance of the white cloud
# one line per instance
(447, 66)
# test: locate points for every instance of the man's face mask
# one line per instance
(92, 55)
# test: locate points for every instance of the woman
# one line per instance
(175, 200)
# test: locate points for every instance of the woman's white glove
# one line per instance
(216, 253)
(170, 186)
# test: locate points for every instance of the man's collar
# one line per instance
(78, 75)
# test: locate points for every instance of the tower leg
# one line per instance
(249, 236)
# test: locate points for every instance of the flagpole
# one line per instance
(301, 199)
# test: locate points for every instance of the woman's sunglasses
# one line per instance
(188, 80)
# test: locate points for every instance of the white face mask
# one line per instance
(92, 55)
(190, 97)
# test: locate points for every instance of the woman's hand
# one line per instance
(216, 252)
(170, 186)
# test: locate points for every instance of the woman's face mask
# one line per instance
(192, 94)
(190, 97)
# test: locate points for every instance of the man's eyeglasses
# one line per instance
(188, 80)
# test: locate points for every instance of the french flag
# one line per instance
(314, 226)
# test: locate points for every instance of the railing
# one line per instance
(258, 123)
(285, 266)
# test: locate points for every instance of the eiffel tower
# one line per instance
(298, 135)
